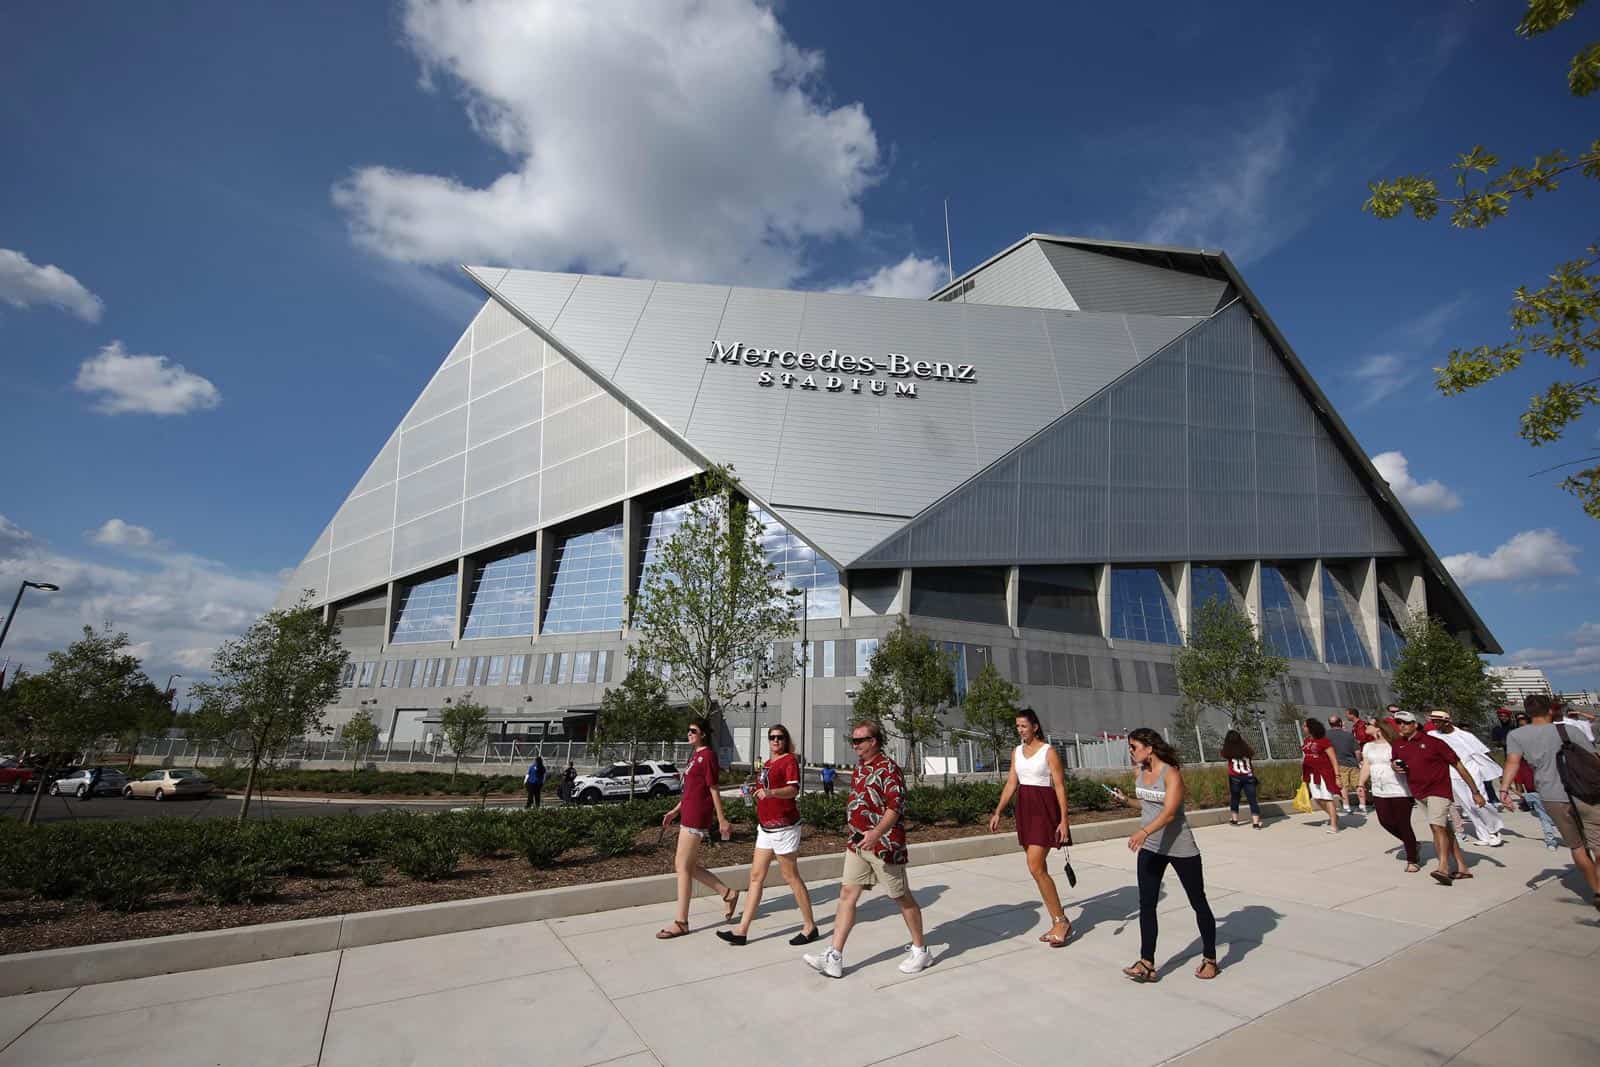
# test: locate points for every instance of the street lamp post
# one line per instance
(805, 662)
(43, 587)
(168, 690)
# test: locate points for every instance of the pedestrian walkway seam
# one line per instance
(610, 1003)
(167, 1003)
(451, 988)
(327, 1016)
(42, 1017)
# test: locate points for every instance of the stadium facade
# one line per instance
(1045, 465)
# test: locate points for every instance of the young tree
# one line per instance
(990, 711)
(465, 726)
(1558, 320)
(634, 711)
(90, 690)
(1226, 666)
(271, 686)
(152, 715)
(710, 601)
(358, 733)
(1437, 671)
(909, 682)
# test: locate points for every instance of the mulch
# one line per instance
(28, 924)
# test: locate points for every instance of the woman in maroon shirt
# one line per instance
(700, 801)
(1319, 770)
(778, 834)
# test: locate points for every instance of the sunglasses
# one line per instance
(694, 730)
(776, 737)
(860, 740)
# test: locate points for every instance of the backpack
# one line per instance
(1579, 769)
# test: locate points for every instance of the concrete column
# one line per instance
(844, 600)
(902, 596)
(544, 545)
(463, 593)
(1013, 589)
(1311, 574)
(1183, 590)
(1413, 588)
(391, 609)
(1367, 592)
(632, 523)
(1252, 592)
(1102, 591)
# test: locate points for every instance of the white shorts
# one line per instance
(1318, 790)
(785, 842)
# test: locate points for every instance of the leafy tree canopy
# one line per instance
(465, 726)
(909, 682)
(1226, 667)
(633, 712)
(1437, 671)
(990, 712)
(1560, 319)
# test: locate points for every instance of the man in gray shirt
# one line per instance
(1577, 821)
(1344, 749)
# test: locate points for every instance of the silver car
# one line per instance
(168, 783)
(76, 783)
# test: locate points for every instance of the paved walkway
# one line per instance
(1329, 953)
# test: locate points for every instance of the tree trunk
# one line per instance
(38, 791)
(456, 769)
(633, 759)
(249, 785)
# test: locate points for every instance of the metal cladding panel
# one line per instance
(1222, 523)
(566, 384)
(1061, 522)
(359, 566)
(1101, 281)
(734, 420)
(500, 514)
(653, 461)
(1090, 351)
(1345, 524)
(505, 409)
(666, 359)
(428, 443)
(1220, 397)
(382, 470)
(930, 447)
(447, 390)
(1027, 394)
(323, 543)
(493, 325)
(507, 361)
(1334, 473)
(431, 539)
(600, 317)
(508, 458)
(1022, 278)
(429, 489)
(832, 451)
(537, 295)
(1288, 524)
(1228, 342)
(1151, 333)
(1385, 541)
(583, 483)
(582, 427)
(848, 535)
(364, 515)
(1155, 391)
(311, 574)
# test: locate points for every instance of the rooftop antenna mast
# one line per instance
(949, 259)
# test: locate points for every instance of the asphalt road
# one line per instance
(57, 809)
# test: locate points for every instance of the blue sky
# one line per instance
(270, 198)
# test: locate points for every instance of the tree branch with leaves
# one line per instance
(908, 684)
(1226, 666)
(633, 712)
(990, 712)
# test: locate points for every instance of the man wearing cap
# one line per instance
(1344, 750)
(1429, 764)
(1538, 744)
(1480, 768)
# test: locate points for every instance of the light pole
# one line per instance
(168, 690)
(43, 587)
(805, 661)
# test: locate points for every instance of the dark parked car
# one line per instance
(76, 783)
(14, 777)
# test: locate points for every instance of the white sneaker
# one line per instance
(827, 962)
(1344, 811)
(917, 959)
(1553, 848)
(1495, 841)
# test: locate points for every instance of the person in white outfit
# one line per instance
(1476, 761)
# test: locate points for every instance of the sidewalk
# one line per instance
(1299, 913)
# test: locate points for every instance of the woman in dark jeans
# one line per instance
(1241, 777)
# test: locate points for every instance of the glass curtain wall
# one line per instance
(1284, 621)
(586, 583)
(1340, 609)
(427, 612)
(1141, 606)
(801, 567)
(1064, 599)
(658, 530)
(1208, 582)
(502, 600)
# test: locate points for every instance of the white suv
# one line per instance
(649, 778)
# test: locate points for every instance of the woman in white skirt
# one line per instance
(778, 834)
(1319, 769)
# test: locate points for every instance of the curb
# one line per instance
(466, 800)
(64, 968)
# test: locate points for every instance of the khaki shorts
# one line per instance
(1438, 809)
(1567, 817)
(866, 870)
(1349, 778)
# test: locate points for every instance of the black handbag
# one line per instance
(1066, 866)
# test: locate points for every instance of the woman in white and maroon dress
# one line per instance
(700, 802)
(777, 834)
(1040, 786)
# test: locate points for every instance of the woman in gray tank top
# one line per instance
(1162, 840)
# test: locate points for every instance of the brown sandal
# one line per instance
(1055, 940)
(732, 903)
(1205, 961)
(1460, 875)
(678, 929)
(1142, 972)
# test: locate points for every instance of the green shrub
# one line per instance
(1088, 794)
(543, 840)
(428, 854)
(823, 813)
(970, 802)
(481, 832)
(227, 880)
(614, 836)
(369, 874)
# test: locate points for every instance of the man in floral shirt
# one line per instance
(876, 853)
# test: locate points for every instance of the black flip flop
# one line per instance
(1440, 877)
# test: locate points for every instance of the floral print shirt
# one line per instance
(877, 787)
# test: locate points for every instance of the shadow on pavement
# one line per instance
(1239, 933)
(1114, 905)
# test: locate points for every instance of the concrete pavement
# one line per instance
(1299, 913)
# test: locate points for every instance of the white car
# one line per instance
(648, 778)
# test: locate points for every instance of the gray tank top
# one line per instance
(1174, 839)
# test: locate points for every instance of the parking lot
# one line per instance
(219, 806)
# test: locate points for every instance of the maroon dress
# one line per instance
(1038, 811)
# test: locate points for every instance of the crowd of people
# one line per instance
(1390, 764)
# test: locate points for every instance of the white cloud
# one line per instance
(1382, 375)
(142, 385)
(1577, 659)
(174, 605)
(1415, 495)
(1385, 373)
(672, 138)
(1529, 554)
(1227, 201)
(121, 534)
(912, 277)
(24, 283)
